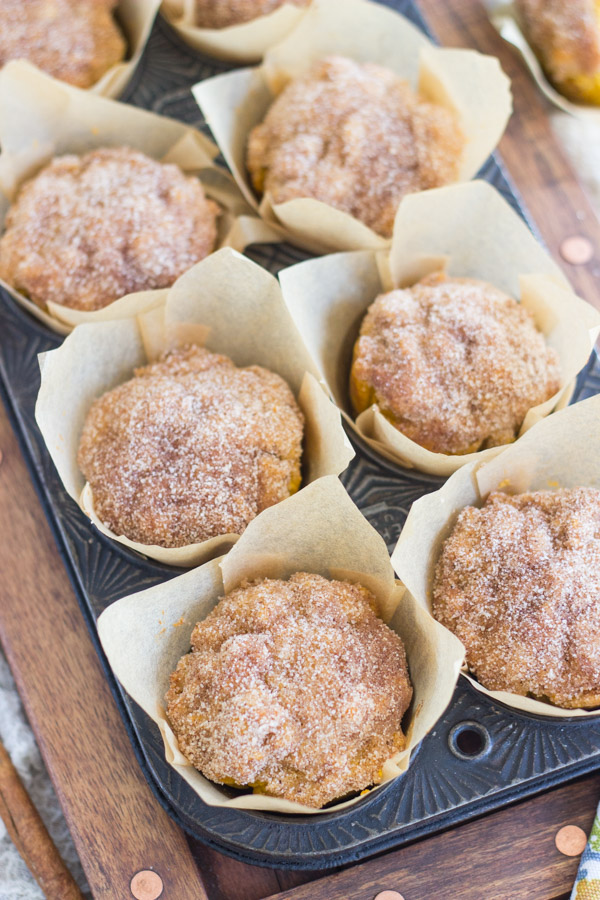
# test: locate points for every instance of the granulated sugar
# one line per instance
(454, 363)
(518, 582)
(87, 230)
(356, 137)
(191, 448)
(293, 687)
(223, 13)
(74, 40)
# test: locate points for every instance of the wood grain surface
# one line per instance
(535, 161)
(117, 825)
(506, 856)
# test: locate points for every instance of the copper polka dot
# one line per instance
(146, 885)
(577, 250)
(570, 840)
(389, 895)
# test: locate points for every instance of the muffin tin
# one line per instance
(480, 755)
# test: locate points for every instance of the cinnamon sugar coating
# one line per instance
(87, 230)
(565, 35)
(222, 13)
(518, 582)
(74, 40)
(191, 448)
(354, 136)
(295, 688)
(453, 363)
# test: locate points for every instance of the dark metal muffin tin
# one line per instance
(480, 756)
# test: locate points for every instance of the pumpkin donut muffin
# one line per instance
(87, 230)
(518, 582)
(74, 40)
(565, 35)
(453, 363)
(222, 13)
(294, 688)
(191, 448)
(354, 136)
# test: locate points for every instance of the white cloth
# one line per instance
(16, 882)
(580, 138)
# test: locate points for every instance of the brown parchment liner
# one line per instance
(505, 19)
(470, 84)
(41, 117)
(226, 303)
(243, 43)
(559, 452)
(470, 230)
(319, 530)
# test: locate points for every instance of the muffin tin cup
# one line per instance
(41, 118)
(226, 303)
(319, 530)
(470, 84)
(470, 231)
(243, 43)
(559, 452)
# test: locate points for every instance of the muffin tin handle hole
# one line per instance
(469, 740)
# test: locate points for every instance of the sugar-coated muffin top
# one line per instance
(74, 40)
(295, 688)
(191, 448)
(453, 363)
(222, 13)
(518, 581)
(88, 229)
(354, 136)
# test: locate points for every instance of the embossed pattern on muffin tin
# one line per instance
(480, 756)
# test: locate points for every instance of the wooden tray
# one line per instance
(568, 188)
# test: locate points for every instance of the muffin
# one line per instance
(293, 688)
(191, 448)
(518, 582)
(354, 136)
(87, 230)
(453, 363)
(565, 36)
(219, 14)
(74, 40)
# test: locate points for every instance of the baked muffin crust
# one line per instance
(566, 38)
(222, 13)
(293, 687)
(453, 363)
(191, 448)
(354, 136)
(88, 230)
(74, 40)
(518, 582)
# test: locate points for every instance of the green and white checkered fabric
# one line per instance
(587, 884)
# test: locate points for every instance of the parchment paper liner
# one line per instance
(560, 452)
(318, 530)
(226, 303)
(505, 20)
(469, 83)
(473, 232)
(244, 43)
(41, 118)
(135, 18)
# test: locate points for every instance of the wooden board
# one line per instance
(118, 826)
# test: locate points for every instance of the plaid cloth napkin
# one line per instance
(587, 883)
